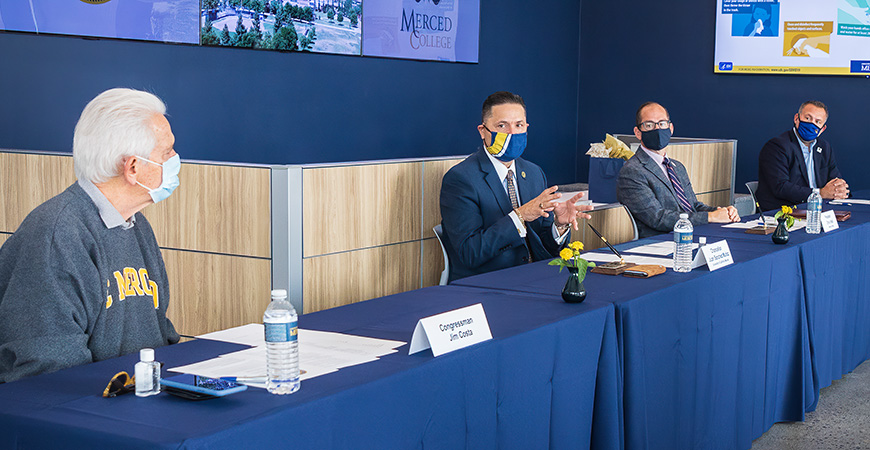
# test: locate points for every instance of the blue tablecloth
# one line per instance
(549, 377)
(713, 359)
(710, 359)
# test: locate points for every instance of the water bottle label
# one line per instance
(281, 332)
(682, 238)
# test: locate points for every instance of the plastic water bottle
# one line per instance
(814, 213)
(147, 372)
(683, 244)
(282, 348)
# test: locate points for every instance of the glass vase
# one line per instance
(780, 235)
(574, 291)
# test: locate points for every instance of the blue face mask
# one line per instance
(170, 179)
(506, 147)
(808, 131)
(656, 139)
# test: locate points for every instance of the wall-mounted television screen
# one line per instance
(436, 30)
(287, 25)
(147, 20)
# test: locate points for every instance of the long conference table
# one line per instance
(698, 360)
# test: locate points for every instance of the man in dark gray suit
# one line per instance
(657, 189)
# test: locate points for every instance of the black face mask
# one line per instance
(656, 139)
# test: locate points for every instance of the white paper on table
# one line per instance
(224, 367)
(348, 342)
(320, 352)
(250, 334)
(771, 222)
(850, 201)
(797, 225)
(608, 257)
(663, 248)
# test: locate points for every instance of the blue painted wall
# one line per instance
(635, 51)
(266, 107)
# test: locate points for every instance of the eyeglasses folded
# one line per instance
(120, 384)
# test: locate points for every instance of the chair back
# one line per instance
(445, 274)
(633, 223)
(753, 186)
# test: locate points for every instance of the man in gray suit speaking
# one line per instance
(657, 189)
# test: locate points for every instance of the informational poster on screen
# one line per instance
(149, 20)
(436, 30)
(829, 37)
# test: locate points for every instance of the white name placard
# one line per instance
(451, 331)
(829, 221)
(715, 256)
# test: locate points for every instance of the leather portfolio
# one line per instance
(644, 271)
(842, 216)
(612, 268)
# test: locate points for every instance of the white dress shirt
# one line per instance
(502, 172)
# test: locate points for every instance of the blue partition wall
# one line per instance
(265, 107)
(634, 51)
(268, 107)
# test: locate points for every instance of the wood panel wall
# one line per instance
(367, 230)
(217, 208)
(28, 180)
(710, 168)
(614, 223)
(214, 232)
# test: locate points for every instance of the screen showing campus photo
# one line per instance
(149, 20)
(436, 30)
(285, 25)
(829, 37)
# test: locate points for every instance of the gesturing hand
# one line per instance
(539, 206)
(568, 212)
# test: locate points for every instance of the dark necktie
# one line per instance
(515, 203)
(678, 188)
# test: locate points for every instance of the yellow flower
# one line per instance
(576, 245)
(786, 210)
(566, 254)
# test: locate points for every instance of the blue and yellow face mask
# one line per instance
(506, 147)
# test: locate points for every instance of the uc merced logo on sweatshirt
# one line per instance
(133, 283)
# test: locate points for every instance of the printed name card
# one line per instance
(451, 331)
(715, 256)
(829, 221)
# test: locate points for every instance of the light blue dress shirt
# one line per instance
(808, 159)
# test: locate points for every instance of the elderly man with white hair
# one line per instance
(82, 279)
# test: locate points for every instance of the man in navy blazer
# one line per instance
(785, 161)
(496, 209)
(656, 189)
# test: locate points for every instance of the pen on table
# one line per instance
(761, 213)
(245, 379)
(615, 252)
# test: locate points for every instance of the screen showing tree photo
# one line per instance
(315, 26)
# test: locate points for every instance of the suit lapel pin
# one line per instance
(523, 174)
(818, 149)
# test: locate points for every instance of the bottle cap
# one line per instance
(146, 354)
(279, 293)
(684, 215)
(702, 240)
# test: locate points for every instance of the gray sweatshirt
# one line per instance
(73, 291)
